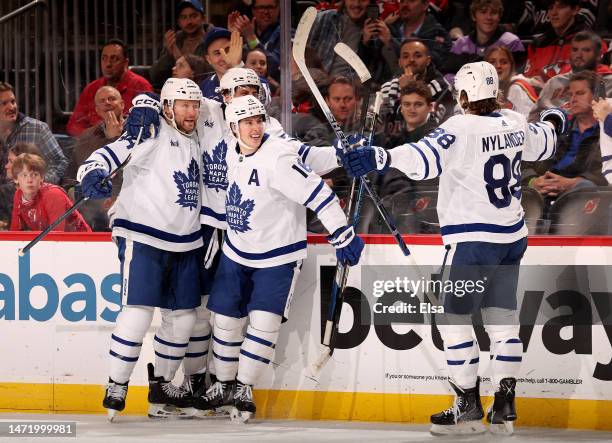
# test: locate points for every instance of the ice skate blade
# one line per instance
(110, 414)
(162, 411)
(505, 428)
(240, 417)
(222, 412)
(463, 428)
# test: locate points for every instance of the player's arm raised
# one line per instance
(541, 136)
(422, 160)
(301, 185)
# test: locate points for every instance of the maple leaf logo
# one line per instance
(215, 168)
(237, 212)
(188, 186)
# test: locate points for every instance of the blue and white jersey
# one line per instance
(478, 159)
(266, 202)
(215, 137)
(159, 202)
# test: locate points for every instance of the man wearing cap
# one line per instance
(222, 50)
(189, 39)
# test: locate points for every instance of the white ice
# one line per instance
(137, 429)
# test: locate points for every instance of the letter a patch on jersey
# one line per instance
(254, 178)
(188, 186)
(238, 212)
(215, 168)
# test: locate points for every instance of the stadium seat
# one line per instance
(581, 212)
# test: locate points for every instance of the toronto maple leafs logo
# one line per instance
(215, 168)
(237, 212)
(188, 186)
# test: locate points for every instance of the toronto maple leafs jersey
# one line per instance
(160, 199)
(215, 137)
(478, 159)
(266, 202)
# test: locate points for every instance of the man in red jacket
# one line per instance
(38, 204)
(114, 63)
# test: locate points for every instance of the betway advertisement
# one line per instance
(58, 305)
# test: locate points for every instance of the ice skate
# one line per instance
(217, 401)
(244, 406)
(165, 399)
(464, 417)
(502, 413)
(114, 398)
(195, 384)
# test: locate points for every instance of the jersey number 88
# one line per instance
(511, 170)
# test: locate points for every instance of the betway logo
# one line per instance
(74, 297)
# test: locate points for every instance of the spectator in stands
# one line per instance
(518, 91)
(487, 33)
(15, 127)
(577, 161)
(261, 32)
(415, 64)
(38, 204)
(190, 66)
(548, 55)
(114, 63)
(188, 40)
(347, 25)
(110, 108)
(223, 50)
(256, 60)
(585, 55)
(602, 111)
(415, 22)
(535, 17)
(7, 189)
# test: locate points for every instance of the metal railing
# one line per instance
(50, 54)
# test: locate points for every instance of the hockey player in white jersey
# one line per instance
(478, 158)
(156, 226)
(215, 139)
(269, 190)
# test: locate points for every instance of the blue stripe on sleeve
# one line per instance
(314, 193)
(412, 145)
(112, 154)
(325, 202)
(436, 154)
(110, 168)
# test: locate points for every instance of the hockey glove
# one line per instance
(92, 175)
(144, 114)
(556, 116)
(365, 159)
(348, 245)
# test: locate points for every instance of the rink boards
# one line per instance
(58, 305)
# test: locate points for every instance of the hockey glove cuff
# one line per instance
(348, 245)
(92, 177)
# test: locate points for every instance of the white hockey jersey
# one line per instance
(478, 159)
(266, 202)
(160, 199)
(215, 139)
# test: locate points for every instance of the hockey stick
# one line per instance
(76, 205)
(299, 48)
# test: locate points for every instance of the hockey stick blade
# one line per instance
(349, 56)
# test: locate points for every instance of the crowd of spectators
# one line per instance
(545, 52)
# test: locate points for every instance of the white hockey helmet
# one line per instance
(241, 108)
(178, 89)
(478, 80)
(235, 77)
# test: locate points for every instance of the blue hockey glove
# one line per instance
(144, 114)
(365, 159)
(348, 245)
(558, 117)
(91, 176)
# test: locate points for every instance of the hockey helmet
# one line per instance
(235, 77)
(478, 80)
